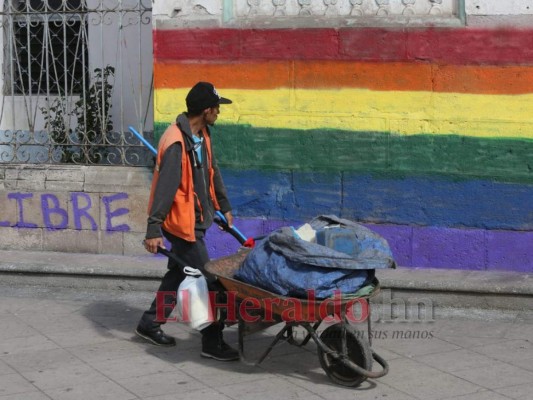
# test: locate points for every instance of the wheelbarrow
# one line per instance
(345, 356)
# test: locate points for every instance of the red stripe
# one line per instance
(451, 46)
(228, 44)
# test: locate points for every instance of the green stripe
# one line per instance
(458, 157)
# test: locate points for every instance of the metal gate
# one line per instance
(75, 74)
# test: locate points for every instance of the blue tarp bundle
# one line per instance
(284, 264)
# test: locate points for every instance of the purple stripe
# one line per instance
(510, 250)
(418, 247)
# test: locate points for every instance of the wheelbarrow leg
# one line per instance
(308, 337)
(369, 322)
(241, 338)
(282, 335)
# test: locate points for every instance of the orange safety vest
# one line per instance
(180, 221)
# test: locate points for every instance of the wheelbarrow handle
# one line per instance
(210, 278)
(172, 256)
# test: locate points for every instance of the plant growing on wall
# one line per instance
(54, 116)
(93, 114)
(88, 141)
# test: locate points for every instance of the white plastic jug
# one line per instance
(193, 305)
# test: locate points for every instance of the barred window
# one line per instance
(47, 47)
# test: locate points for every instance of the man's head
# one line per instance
(202, 96)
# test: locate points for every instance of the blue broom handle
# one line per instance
(234, 228)
(143, 140)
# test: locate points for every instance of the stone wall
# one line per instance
(73, 208)
(416, 123)
(411, 116)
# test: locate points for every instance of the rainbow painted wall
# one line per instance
(425, 135)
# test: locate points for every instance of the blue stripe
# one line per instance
(418, 200)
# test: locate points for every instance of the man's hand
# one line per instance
(229, 218)
(151, 245)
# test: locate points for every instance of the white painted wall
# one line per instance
(230, 12)
(179, 8)
(201, 8)
(499, 7)
(130, 50)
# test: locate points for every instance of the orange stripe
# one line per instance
(308, 74)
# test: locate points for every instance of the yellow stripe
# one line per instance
(399, 112)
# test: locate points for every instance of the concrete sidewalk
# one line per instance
(67, 324)
(76, 343)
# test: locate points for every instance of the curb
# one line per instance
(451, 280)
(445, 287)
(101, 265)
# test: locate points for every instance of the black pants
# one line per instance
(193, 254)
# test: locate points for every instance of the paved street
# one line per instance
(58, 343)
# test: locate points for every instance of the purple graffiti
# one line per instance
(55, 217)
(55, 209)
(80, 212)
(19, 197)
(107, 200)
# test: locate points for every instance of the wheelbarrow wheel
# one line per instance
(357, 350)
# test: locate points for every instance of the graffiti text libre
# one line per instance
(54, 216)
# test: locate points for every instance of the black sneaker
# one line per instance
(221, 352)
(156, 336)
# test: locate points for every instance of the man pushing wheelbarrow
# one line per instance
(324, 276)
(186, 190)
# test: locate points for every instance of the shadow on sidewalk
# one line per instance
(118, 320)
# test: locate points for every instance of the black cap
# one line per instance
(204, 95)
